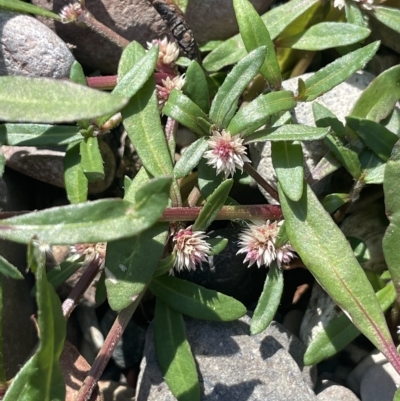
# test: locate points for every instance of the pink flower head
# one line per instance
(165, 89)
(257, 242)
(227, 152)
(70, 13)
(168, 53)
(191, 248)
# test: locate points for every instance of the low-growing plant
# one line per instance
(146, 231)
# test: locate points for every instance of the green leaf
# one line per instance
(326, 35)
(375, 175)
(328, 256)
(397, 395)
(180, 108)
(39, 134)
(190, 158)
(41, 379)
(337, 72)
(76, 183)
(91, 160)
(340, 332)
(43, 100)
(77, 75)
(378, 138)
(379, 98)
(26, 8)
(269, 300)
(325, 118)
(208, 179)
(130, 263)
(288, 132)
(173, 353)
(217, 245)
(141, 178)
(196, 87)
(98, 221)
(353, 13)
(67, 268)
(142, 123)
(347, 157)
(196, 301)
(254, 34)
(165, 265)
(204, 124)
(9, 270)
(287, 159)
(224, 104)
(389, 16)
(212, 206)
(132, 54)
(2, 164)
(256, 113)
(134, 79)
(332, 202)
(392, 206)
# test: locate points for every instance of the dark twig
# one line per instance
(261, 181)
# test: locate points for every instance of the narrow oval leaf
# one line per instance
(269, 300)
(40, 379)
(379, 98)
(196, 86)
(288, 132)
(378, 138)
(375, 175)
(208, 180)
(390, 242)
(76, 183)
(77, 75)
(332, 202)
(217, 245)
(173, 353)
(326, 35)
(129, 84)
(142, 123)
(26, 8)
(224, 104)
(39, 134)
(329, 257)
(323, 117)
(130, 263)
(341, 331)
(212, 206)
(67, 268)
(256, 113)
(180, 108)
(254, 34)
(132, 54)
(196, 301)
(98, 221)
(190, 158)
(353, 14)
(389, 16)
(9, 270)
(44, 100)
(287, 159)
(91, 160)
(337, 72)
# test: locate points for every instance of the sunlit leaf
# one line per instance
(91, 160)
(26, 8)
(389, 16)
(190, 158)
(196, 87)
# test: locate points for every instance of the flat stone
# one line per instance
(132, 19)
(205, 18)
(340, 101)
(379, 382)
(30, 48)
(333, 392)
(232, 364)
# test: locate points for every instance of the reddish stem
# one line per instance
(106, 82)
(261, 181)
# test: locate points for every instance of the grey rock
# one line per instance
(233, 365)
(340, 101)
(30, 48)
(132, 19)
(379, 382)
(333, 392)
(292, 321)
(205, 18)
(114, 391)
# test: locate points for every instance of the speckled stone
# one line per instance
(233, 365)
(340, 101)
(333, 392)
(29, 48)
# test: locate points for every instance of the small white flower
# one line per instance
(165, 89)
(191, 248)
(227, 152)
(366, 4)
(168, 51)
(258, 243)
(70, 13)
(338, 4)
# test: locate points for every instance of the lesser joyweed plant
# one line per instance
(232, 99)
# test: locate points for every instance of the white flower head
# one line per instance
(91, 251)
(165, 89)
(227, 152)
(257, 242)
(338, 4)
(366, 4)
(191, 248)
(70, 13)
(168, 52)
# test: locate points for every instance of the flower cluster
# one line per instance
(168, 52)
(190, 248)
(365, 4)
(257, 242)
(166, 86)
(227, 152)
(70, 13)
